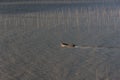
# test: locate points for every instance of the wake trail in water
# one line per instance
(97, 47)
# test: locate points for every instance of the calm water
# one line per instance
(30, 36)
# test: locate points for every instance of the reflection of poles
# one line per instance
(37, 22)
(63, 20)
(77, 18)
(68, 19)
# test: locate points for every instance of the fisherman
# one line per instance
(66, 45)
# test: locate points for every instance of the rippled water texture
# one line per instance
(30, 36)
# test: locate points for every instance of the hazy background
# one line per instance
(30, 36)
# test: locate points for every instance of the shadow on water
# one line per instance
(38, 7)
